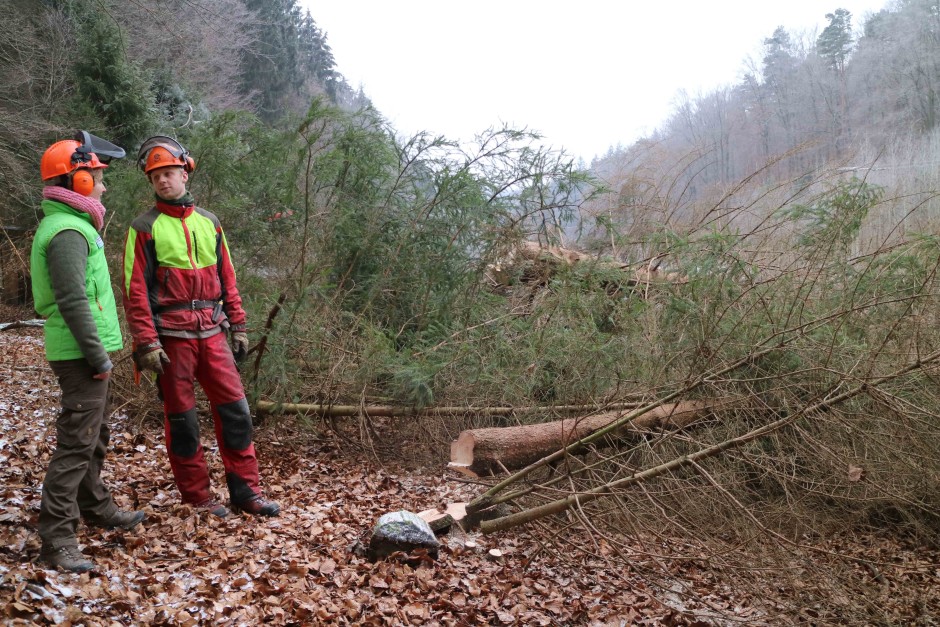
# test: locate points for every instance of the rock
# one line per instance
(401, 531)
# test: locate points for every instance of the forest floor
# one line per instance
(182, 567)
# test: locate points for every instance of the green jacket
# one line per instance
(68, 331)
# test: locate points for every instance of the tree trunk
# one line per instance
(493, 450)
(270, 407)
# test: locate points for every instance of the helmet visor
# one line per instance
(174, 147)
(103, 149)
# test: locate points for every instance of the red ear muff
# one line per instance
(190, 164)
(83, 183)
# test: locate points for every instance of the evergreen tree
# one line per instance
(290, 61)
(270, 65)
(317, 57)
(835, 42)
(779, 60)
(107, 82)
(780, 64)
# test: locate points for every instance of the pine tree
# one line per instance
(270, 65)
(108, 83)
(835, 42)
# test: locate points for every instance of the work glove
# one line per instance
(239, 345)
(154, 361)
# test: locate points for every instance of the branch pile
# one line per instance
(535, 262)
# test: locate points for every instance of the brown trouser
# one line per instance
(73, 485)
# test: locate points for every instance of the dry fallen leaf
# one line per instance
(856, 473)
(183, 568)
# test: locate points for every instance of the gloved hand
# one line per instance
(154, 361)
(239, 345)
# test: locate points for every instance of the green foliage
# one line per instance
(245, 170)
(107, 82)
(835, 42)
(836, 217)
(413, 225)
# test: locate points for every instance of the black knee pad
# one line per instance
(184, 433)
(236, 424)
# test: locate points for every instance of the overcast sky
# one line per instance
(587, 75)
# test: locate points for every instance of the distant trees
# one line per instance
(34, 71)
(806, 102)
(288, 61)
(191, 53)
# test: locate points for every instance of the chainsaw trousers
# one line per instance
(210, 362)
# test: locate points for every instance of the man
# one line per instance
(72, 290)
(180, 297)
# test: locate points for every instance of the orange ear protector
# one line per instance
(83, 182)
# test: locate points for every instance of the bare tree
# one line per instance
(35, 55)
(192, 49)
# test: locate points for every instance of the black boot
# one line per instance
(258, 506)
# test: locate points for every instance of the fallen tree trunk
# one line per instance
(610, 489)
(493, 450)
(270, 407)
(547, 260)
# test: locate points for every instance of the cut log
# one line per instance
(438, 521)
(494, 450)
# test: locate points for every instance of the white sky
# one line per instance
(587, 74)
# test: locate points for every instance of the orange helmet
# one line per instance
(85, 151)
(161, 151)
(64, 157)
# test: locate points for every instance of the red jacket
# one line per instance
(178, 276)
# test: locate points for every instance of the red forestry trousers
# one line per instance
(210, 362)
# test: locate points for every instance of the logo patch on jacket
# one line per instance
(99, 242)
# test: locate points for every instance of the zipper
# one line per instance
(190, 243)
(97, 301)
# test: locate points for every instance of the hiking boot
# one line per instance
(257, 506)
(66, 558)
(120, 519)
(212, 507)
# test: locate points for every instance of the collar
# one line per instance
(175, 210)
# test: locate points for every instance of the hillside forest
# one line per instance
(770, 252)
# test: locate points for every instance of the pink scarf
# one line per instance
(76, 201)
